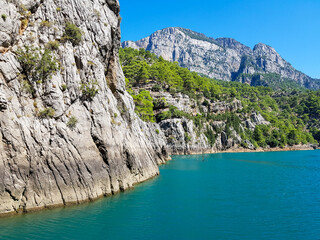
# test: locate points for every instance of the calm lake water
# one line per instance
(220, 196)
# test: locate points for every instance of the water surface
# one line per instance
(220, 196)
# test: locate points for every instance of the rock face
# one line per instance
(45, 161)
(223, 58)
(222, 107)
(181, 137)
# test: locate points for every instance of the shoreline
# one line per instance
(246, 150)
(21, 212)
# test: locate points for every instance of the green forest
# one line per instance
(293, 113)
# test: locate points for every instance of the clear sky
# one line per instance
(292, 27)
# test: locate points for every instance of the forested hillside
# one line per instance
(260, 116)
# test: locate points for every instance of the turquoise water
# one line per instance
(226, 196)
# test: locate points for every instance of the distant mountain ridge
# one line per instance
(224, 58)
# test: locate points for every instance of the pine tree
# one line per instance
(143, 75)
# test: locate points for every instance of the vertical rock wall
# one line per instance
(43, 161)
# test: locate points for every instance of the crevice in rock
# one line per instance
(111, 74)
(11, 195)
(56, 181)
(101, 147)
(128, 159)
(112, 4)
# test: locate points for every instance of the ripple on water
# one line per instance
(226, 196)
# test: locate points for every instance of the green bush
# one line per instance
(89, 89)
(210, 136)
(187, 137)
(29, 58)
(37, 65)
(46, 66)
(160, 103)
(46, 23)
(64, 87)
(27, 87)
(4, 16)
(156, 88)
(72, 122)
(72, 33)
(47, 113)
(53, 45)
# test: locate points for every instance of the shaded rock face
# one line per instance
(224, 142)
(222, 58)
(181, 137)
(3, 102)
(257, 119)
(44, 161)
(222, 107)
(254, 120)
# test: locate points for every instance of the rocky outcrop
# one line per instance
(181, 101)
(254, 120)
(222, 107)
(84, 148)
(223, 58)
(224, 142)
(257, 119)
(182, 138)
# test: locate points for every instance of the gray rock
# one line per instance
(9, 24)
(249, 144)
(181, 101)
(257, 119)
(181, 137)
(222, 58)
(224, 139)
(249, 125)
(222, 107)
(43, 161)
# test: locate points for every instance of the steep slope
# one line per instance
(223, 58)
(68, 130)
(199, 114)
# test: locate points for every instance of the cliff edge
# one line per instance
(68, 130)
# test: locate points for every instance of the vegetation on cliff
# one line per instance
(292, 115)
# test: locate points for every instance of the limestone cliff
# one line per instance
(224, 58)
(58, 146)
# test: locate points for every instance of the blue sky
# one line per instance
(291, 27)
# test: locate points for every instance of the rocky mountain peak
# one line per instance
(234, 44)
(264, 50)
(223, 58)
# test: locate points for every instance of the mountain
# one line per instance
(224, 58)
(199, 114)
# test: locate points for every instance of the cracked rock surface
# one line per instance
(43, 161)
